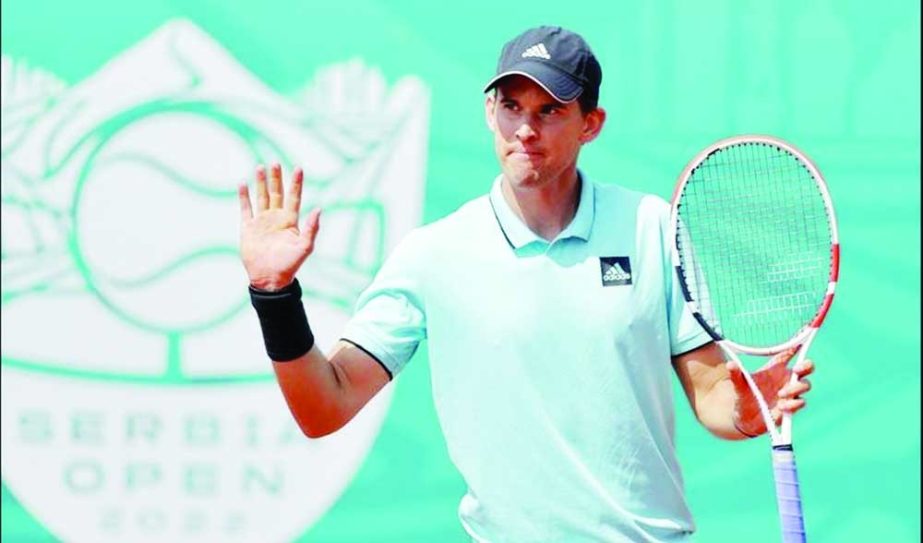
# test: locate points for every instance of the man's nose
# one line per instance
(528, 129)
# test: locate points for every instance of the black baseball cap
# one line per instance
(559, 60)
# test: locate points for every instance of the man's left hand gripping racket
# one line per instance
(757, 255)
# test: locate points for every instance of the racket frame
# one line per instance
(809, 328)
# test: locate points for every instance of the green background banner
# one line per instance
(840, 79)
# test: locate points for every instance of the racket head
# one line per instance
(755, 243)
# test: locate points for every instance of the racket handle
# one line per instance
(788, 494)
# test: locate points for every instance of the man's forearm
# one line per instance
(313, 389)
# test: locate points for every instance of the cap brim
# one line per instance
(555, 82)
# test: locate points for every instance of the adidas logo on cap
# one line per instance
(537, 51)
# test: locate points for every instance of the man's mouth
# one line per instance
(529, 153)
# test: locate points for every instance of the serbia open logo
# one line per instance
(137, 401)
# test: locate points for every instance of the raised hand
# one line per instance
(272, 247)
(774, 382)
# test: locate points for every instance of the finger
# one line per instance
(311, 226)
(262, 194)
(804, 368)
(791, 406)
(275, 186)
(793, 390)
(293, 202)
(246, 209)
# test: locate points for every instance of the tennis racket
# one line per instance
(757, 255)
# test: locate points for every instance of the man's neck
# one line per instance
(546, 209)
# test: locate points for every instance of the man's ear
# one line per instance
(593, 124)
(490, 104)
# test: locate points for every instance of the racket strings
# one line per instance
(754, 243)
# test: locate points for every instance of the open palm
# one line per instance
(272, 247)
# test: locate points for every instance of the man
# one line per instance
(552, 316)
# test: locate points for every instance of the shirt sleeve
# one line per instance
(389, 319)
(686, 334)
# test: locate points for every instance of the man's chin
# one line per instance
(522, 178)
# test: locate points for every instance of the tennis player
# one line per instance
(553, 318)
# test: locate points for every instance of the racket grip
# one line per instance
(788, 494)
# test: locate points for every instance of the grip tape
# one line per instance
(788, 494)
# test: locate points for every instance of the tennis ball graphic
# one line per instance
(154, 233)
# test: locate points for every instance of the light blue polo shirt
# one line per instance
(550, 362)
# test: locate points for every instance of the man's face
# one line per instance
(537, 138)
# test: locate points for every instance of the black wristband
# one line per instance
(285, 326)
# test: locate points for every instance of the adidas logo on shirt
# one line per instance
(616, 270)
(537, 51)
(616, 273)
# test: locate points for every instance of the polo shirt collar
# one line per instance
(519, 235)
